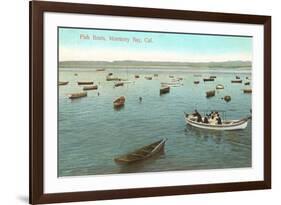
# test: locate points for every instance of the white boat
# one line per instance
(226, 124)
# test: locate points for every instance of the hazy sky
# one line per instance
(109, 45)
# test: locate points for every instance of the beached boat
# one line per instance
(247, 83)
(77, 95)
(85, 82)
(142, 153)
(119, 102)
(137, 76)
(117, 84)
(63, 82)
(100, 69)
(247, 90)
(236, 81)
(196, 82)
(210, 93)
(219, 86)
(90, 87)
(148, 78)
(208, 79)
(110, 78)
(164, 89)
(226, 124)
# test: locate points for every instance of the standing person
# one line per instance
(140, 99)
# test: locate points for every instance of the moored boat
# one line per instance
(77, 95)
(110, 78)
(247, 83)
(142, 153)
(219, 86)
(208, 79)
(225, 124)
(236, 81)
(137, 76)
(63, 82)
(171, 84)
(213, 76)
(237, 77)
(109, 74)
(227, 98)
(90, 87)
(85, 82)
(210, 93)
(117, 84)
(100, 69)
(155, 75)
(247, 90)
(148, 78)
(164, 89)
(196, 82)
(119, 102)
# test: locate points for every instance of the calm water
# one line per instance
(92, 133)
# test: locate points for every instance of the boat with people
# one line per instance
(210, 93)
(85, 82)
(63, 82)
(236, 81)
(208, 79)
(142, 153)
(213, 121)
(119, 102)
(164, 89)
(219, 86)
(77, 95)
(90, 87)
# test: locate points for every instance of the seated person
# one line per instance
(206, 120)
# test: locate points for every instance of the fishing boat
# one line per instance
(164, 89)
(148, 78)
(210, 93)
(110, 78)
(119, 102)
(196, 82)
(118, 84)
(90, 87)
(142, 153)
(247, 83)
(208, 79)
(85, 82)
(137, 76)
(236, 81)
(213, 76)
(77, 95)
(219, 86)
(247, 90)
(100, 69)
(225, 125)
(63, 82)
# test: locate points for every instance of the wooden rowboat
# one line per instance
(247, 83)
(85, 82)
(226, 124)
(118, 84)
(247, 90)
(137, 76)
(77, 95)
(213, 76)
(90, 87)
(142, 153)
(236, 81)
(196, 82)
(63, 82)
(165, 89)
(208, 79)
(210, 93)
(119, 102)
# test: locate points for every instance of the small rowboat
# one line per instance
(226, 124)
(219, 86)
(142, 153)
(171, 76)
(77, 95)
(213, 76)
(110, 78)
(165, 89)
(63, 82)
(100, 69)
(110, 74)
(210, 93)
(208, 79)
(119, 102)
(85, 82)
(118, 84)
(196, 82)
(237, 77)
(236, 81)
(137, 76)
(90, 87)
(247, 83)
(247, 90)
(148, 78)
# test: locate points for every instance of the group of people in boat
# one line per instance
(211, 118)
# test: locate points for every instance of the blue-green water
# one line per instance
(92, 133)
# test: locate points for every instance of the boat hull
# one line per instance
(235, 125)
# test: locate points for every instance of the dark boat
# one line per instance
(85, 82)
(90, 87)
(119, 102)
(110, 74)
(227, 98)
(63, 82)
(164, 90)
(208, 79)
(110, 78)
(210, 93)
(196, 82)
(77, 95)
(247, 90)
(118, 84)
(142, 153)
(247, 83)
(137, 76)
(237, 77)
(236, 81)
(213, 76)
(148, 78)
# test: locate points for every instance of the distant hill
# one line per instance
(149, 64)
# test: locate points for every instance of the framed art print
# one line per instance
(137, 102)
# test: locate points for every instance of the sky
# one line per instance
(111, 45)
